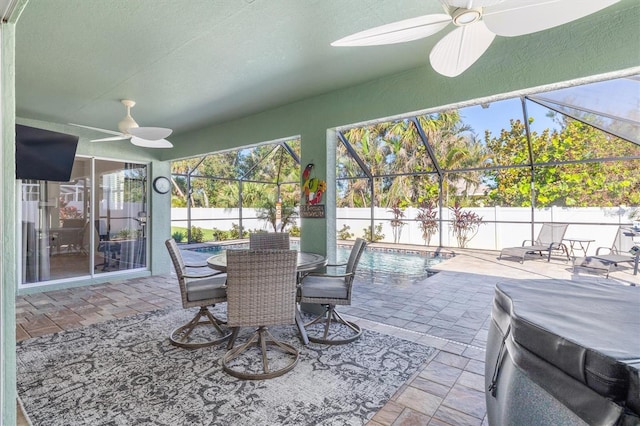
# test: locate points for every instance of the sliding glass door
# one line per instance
(93, 224)
(120, 216)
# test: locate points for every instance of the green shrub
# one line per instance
(178, 236)
(344, 234)
(234, 233)
(378, 235)
(197, 236)
(219, 234)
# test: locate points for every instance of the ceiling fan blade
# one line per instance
(150, 133)
(145, 143)
(112, 138)
(471, 4)
(459, 49)
(514, 18)
(397, 32)
(97, 129)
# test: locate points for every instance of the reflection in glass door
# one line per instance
(120, 216)
(67, 232)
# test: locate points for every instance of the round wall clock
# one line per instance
(161, 185)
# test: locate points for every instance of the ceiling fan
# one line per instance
(147, 137)
(477, 22)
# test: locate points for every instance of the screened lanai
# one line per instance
(484, 175)
(487, 175)
(222, 196)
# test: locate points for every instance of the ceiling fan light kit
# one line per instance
(146, 137)
(477, 23)
(462, 16)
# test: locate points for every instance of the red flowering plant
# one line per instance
(465, 224)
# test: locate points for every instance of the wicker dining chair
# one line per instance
(261, 292)
(330, 290)
(202, 291)
(269, 241)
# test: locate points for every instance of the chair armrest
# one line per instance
(602, 248)
(335, 267)
(524, 243)
(196, 266)
(329, 275)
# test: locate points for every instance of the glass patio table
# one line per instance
(306, 262)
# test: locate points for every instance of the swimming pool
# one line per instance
(378, 264)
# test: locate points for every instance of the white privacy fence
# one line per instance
(501, 227)
(219, 218)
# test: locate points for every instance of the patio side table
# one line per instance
(581, 244)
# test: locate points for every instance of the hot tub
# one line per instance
(563, 353)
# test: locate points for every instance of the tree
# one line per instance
(268, 213)
(395, 153)
(583, 182)
(215, 177)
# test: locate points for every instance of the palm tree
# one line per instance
(288, 213)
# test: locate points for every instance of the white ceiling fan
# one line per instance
(147, 137)
(477, 22)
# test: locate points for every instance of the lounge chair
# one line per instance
(607, 258)
(549, 240)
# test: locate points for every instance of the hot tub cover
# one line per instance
(589, 331)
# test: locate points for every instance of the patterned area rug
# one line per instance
(126, 372)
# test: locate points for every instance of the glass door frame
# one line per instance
(93, 216)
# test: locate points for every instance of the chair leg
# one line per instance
(331, 316)
(179, 336)
(232, 339)
(261, 338)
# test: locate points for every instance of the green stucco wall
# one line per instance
(601, 48)
(8, 278)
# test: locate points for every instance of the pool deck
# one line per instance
(449, 311)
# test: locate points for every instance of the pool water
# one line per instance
(378, 264)
(392, 261)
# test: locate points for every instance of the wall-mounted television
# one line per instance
(43, 154)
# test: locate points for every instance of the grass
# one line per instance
(207, 233)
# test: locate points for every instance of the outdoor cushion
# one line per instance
(324, 287)
(208, 288)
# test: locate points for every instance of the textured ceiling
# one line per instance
(192, 63)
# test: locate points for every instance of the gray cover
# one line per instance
(579, 342)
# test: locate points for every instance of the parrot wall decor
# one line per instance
(313, 187)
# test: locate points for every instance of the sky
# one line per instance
(496, 117)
